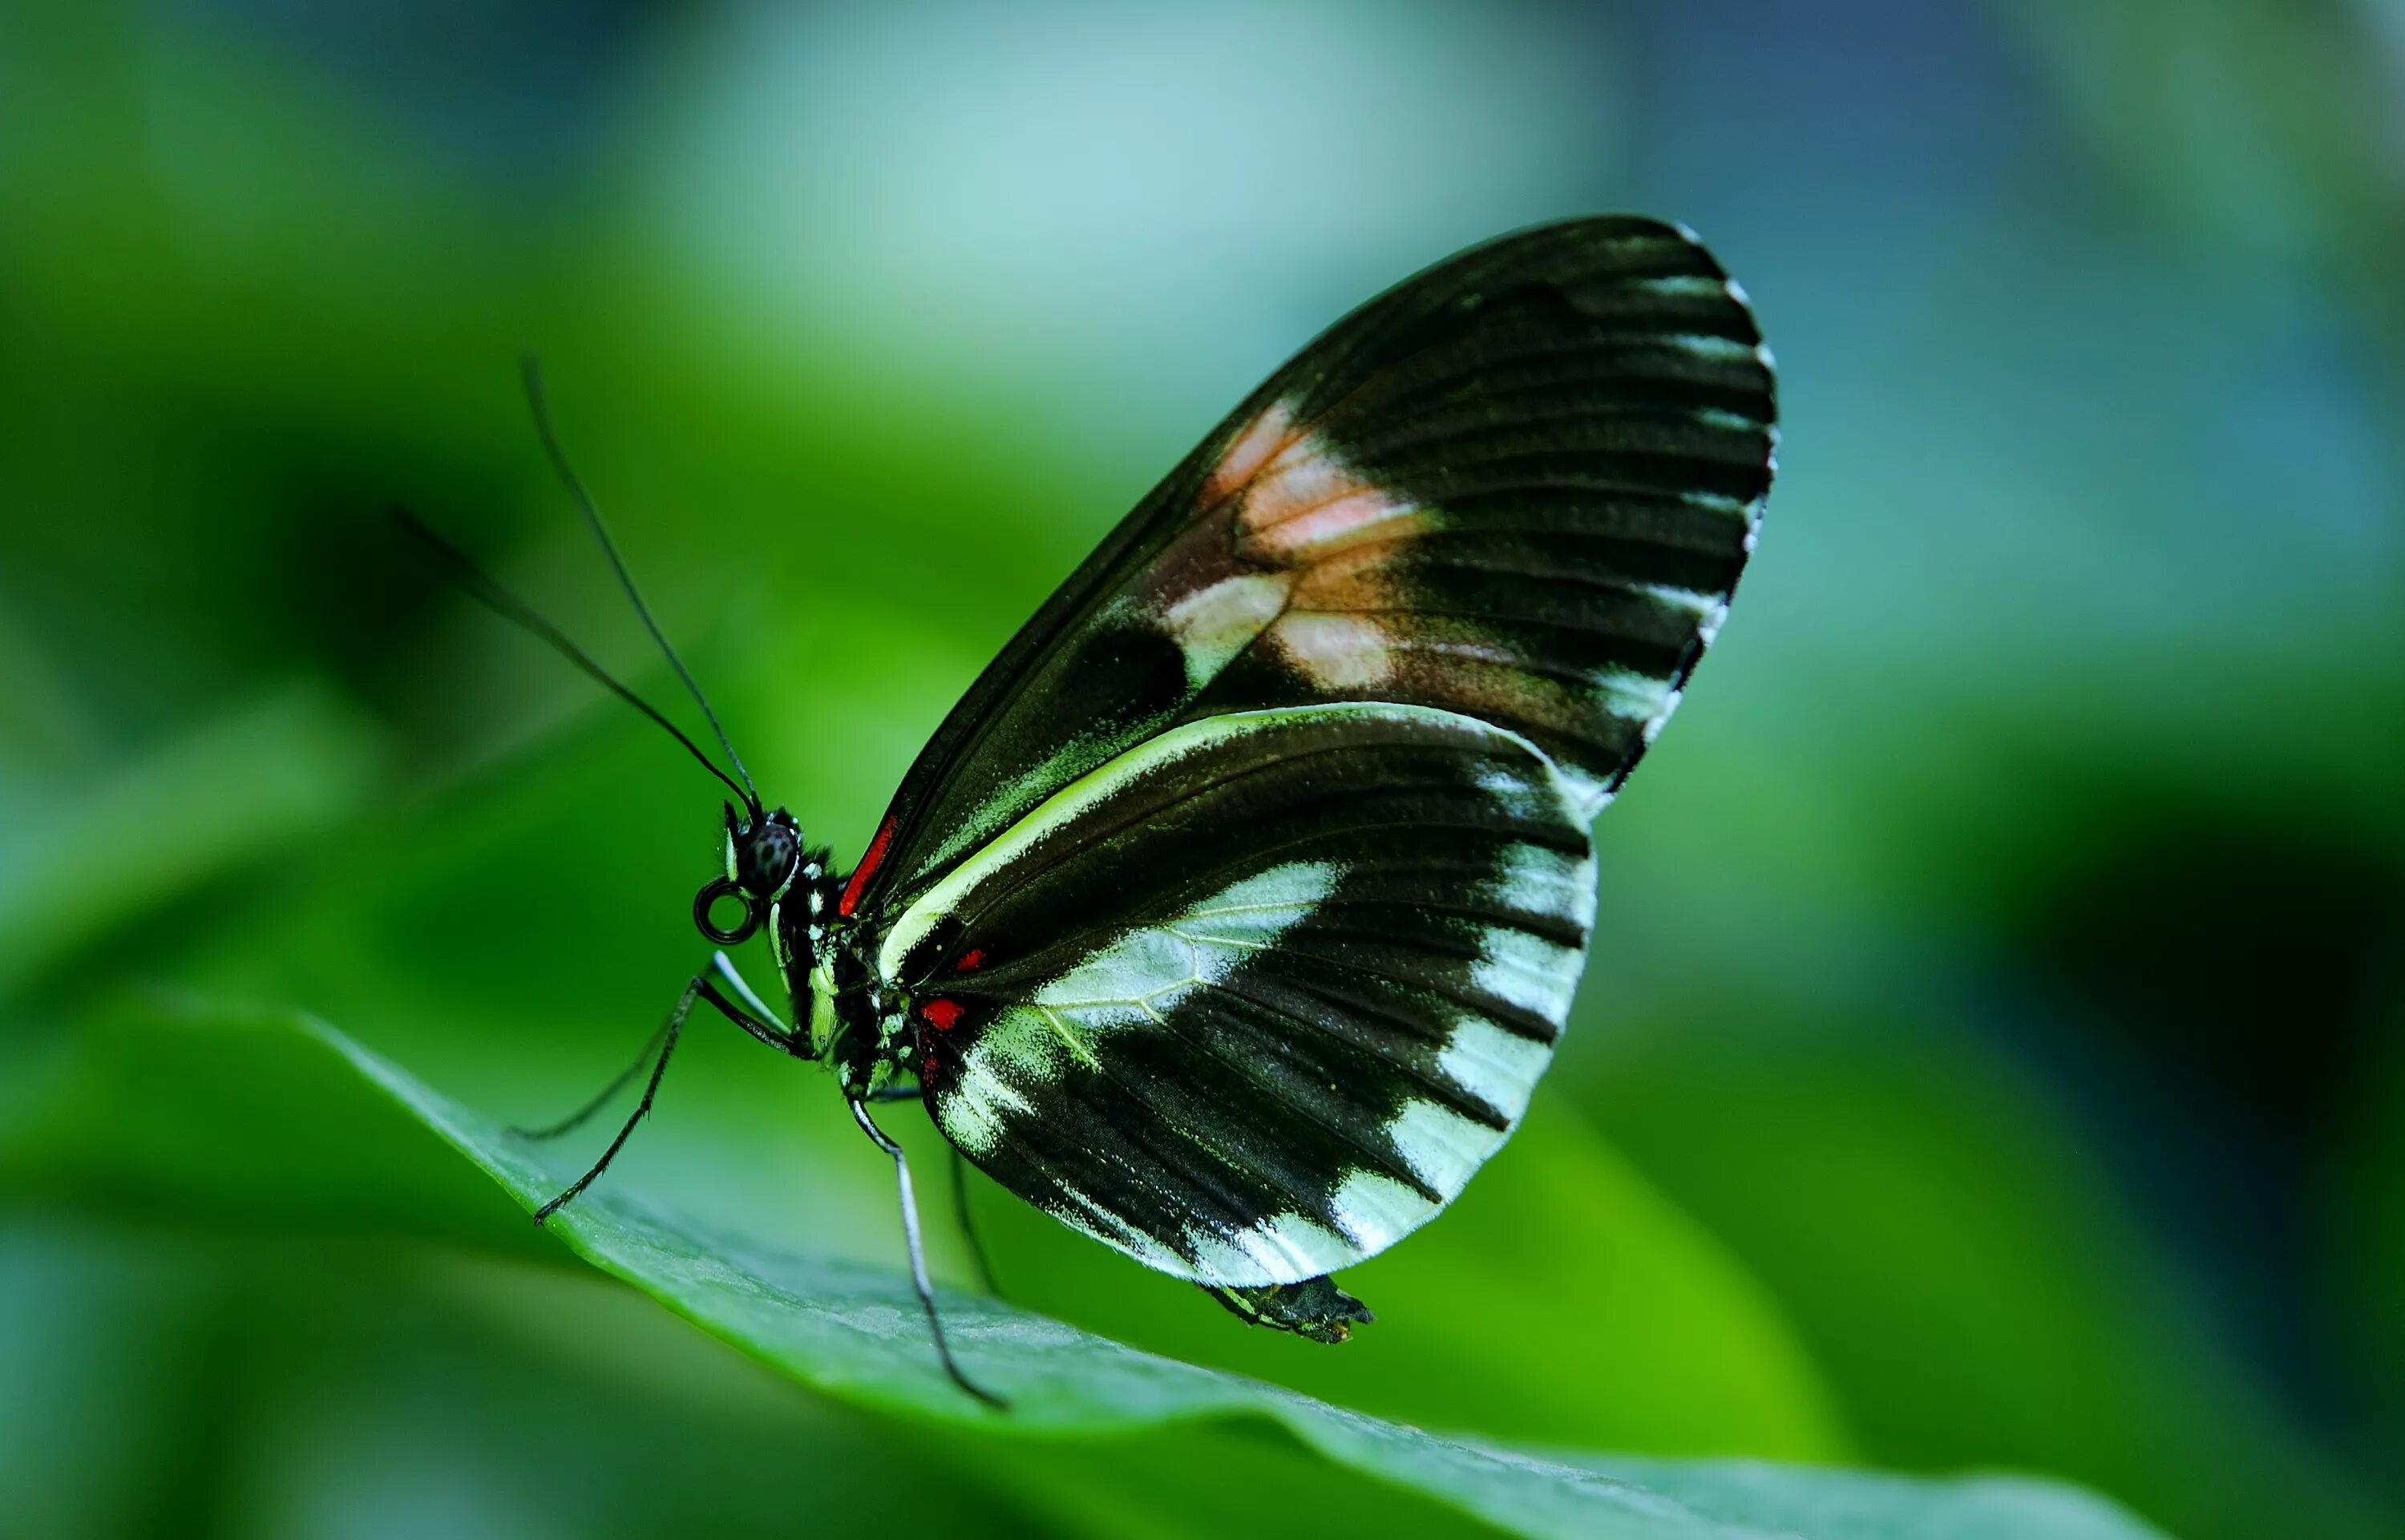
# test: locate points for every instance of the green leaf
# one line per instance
(1752, 1498)
(855, 1332)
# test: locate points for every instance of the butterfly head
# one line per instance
(764, 855)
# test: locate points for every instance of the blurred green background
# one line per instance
(1993, 1054)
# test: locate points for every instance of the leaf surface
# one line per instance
(854, 1331)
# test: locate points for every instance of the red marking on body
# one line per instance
(969, 960)
(943, 1015)
(867, 867)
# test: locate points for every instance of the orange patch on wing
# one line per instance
(1301, 509)
(1303, 478)
(1354, 519)
(1337, 652)
(1255, 448)
(1306, 504)
(1352, 579)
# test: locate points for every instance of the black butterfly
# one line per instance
(1233, 913)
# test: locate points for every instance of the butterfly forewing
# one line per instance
(1252, 1000)
(1236, 909)
(1520, 486)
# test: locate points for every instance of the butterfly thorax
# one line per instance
(848, 1022)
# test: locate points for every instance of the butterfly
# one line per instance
(1232, 916)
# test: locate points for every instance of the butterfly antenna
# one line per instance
(532, 369)
(510, 607)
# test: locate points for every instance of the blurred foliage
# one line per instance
(1994, 1051)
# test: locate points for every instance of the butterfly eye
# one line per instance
(764, 863)
(705, 902)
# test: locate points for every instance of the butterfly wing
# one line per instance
(1252, 1000)
(1520, 486)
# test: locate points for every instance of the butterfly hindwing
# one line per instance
(1253, 1000)
(1519, 487)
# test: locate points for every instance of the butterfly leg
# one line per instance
(760, 1022)
(668, 1033)
(757, 1020)
(584, 1114)
(960, 1190)
(1315, 1308)
(698, 987)
(918, 1255)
